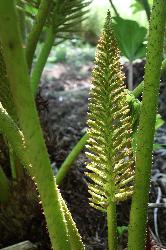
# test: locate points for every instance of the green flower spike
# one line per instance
(111, 159)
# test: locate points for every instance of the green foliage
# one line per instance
(158, 124)
(140, 5)
(159, 121)
(67, 16)
(58, 54)
(30, 7)
(121, 230)
(64, 15)
(145, 4)
(133, 47)
(109, 130)
(74, 52)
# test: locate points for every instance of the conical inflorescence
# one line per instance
(111, 165)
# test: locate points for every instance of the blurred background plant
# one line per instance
(74, 52)
(130, 22)
(133, 47)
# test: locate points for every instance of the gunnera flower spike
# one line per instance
(111, 165)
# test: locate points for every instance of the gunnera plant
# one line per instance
(109, 145)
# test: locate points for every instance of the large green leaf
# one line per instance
(131, 37)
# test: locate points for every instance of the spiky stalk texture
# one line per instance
(29, 123)
(146, 129)
(111, 162)
(16, 139)
(57, 216)
(109, 126)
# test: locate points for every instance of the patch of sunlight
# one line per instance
(123, 8)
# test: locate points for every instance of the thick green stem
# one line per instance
(42, 59)
(36, 30)
(17, 169)
(28, 120)
(138, 215)
(11, 131)
(138, 90)
(7, 101)
(74, 237)
(15, 137)
(112, 226)
(70, 159)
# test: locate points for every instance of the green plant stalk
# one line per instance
(36, 30)
(41, 61)
(16, 143)
(138, 215)
(74, 237)
(4, 186)
(29, 123)
(70, 159)
(17, 169)
(7, 101)
(112, 226)
(138, 90)
(15, 137)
